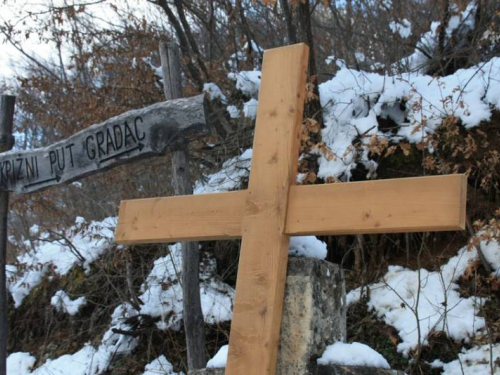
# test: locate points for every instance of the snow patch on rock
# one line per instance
(307, 247)
(353, 354)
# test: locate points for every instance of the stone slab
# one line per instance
(320, 370)
(353, 370)
(314, 314)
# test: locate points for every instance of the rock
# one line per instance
(208, 371)
(321, 370)
(314, 314)
(352, 370)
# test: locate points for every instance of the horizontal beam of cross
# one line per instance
(420, 204)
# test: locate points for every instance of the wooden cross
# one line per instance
(273, 208)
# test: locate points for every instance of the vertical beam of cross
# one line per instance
(255, 329)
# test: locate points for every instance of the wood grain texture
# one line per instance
(194, 324)
(132, 135)
(7, 106)
(420, 204)
(172, 219)
(255, 327)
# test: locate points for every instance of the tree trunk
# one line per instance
(6, 143)
(313, 106)
(290, 27)
(183, 43)
(192, 41)
(194, 324)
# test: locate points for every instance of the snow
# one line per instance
(458, 23)
(353, 354)
(353, 100)
(62, 302)
(162, 296)
(60, 255)
(248, 82)
(220, 359)
(307, 247)
(88, 360)
(34, 230)
(473, 361)
(491, 251)
(360, 57)
(403, 28)
(354, 296)
(20, 363)
(242, 55)
(233, 111)
(214, 92)
(433, 296)
(231, 176)
(80, 363)
(250, 108)
(162, 292)
(160, 366)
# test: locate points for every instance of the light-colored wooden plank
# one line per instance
(172, 219)
(420, 204)
(255, 328)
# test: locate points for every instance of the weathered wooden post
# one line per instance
(194, 324)
(6, 143)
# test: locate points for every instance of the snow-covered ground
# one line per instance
(404, 299)
(61, 254)
(166, 303)
(420, 302)
(91, 241)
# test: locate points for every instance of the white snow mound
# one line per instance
(353, 354)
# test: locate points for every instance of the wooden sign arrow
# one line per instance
(129, 136)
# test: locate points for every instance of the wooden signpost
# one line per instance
(132, 135)
(272, 209)
(194, 324)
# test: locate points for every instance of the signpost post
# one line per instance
(7, 105)
(193, 316)
(273, 209)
